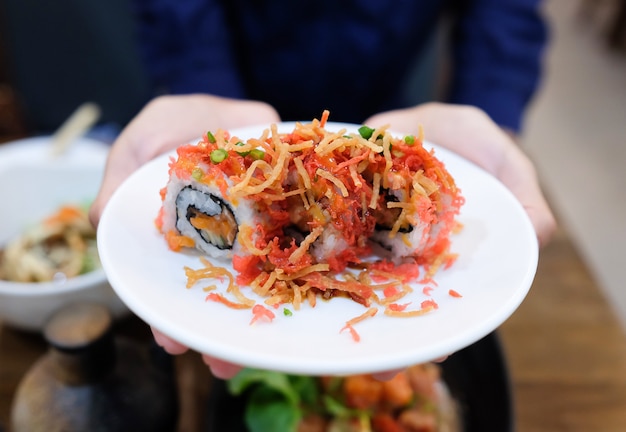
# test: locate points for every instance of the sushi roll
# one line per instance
(196, 210)
(197, 214)
(285, 203)
(418, 216)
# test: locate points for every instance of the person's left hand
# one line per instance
(470, 132)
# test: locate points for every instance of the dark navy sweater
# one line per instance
(352, 57)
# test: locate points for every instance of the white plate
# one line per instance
(498, 255)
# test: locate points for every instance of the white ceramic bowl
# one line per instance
(33, 185)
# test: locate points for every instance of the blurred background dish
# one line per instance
(35, 184)
(476, 376)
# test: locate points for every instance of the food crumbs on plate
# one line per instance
(260, 312)
(454, 294)
(350, 323)
(428, 280)
(353, 332)
(429, 304)
(427, 290)
(219, 298)
(398, 307)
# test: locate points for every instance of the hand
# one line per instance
(469, 132)
(164, 124)
(219, 368)
(167, 122)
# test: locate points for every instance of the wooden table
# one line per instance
(566, 353)
(566, 350)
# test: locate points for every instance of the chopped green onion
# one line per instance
(218, 155)
(409, 139)
(197, 174)
(257, 154)
(287, 312)
(211, 137)
(243, 153)
(366, 132)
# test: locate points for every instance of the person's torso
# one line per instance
(348, 56)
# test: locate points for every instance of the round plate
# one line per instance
(477, 378)
(497, 261)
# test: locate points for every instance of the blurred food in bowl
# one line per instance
(47, 242)
(415, 400)
(474, 381)
(61, 246)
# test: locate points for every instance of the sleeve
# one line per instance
(186, 47)
(497, 57)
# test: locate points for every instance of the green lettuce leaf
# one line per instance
(275, 401)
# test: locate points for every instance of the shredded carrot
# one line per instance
(355, 335)
(236, 292)
(302, 172)
(334, 180)
(305, 244)
(454, 293)
(398, 307)
(397, 296)
(350, 323)
(209, 271)
(367, 314)
(324, 118)
(217, 297)
(66, 215)
(376, 189)
(177, 242)
(407, 314)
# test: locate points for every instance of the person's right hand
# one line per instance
(219, 368)
(165, 123)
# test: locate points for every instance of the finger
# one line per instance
(544, 223)
(220, 368)
(168, 344)
(518, 173)
(465, 130)
(234, 113)
(119, 166)
(390, 374)
(470, 133)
